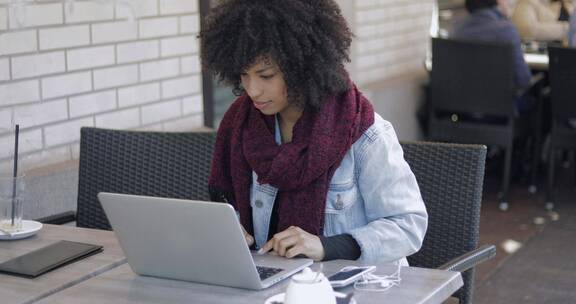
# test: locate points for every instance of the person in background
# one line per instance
(572, 31)
(487, 21)
(541, 20)
(563, 7)
(301, 155)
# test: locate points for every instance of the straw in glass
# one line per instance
(15, 172)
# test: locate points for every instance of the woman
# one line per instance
(541, 20)
(301, 155)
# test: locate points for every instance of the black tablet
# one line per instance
(47, 258)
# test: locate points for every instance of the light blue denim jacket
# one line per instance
(373, 196)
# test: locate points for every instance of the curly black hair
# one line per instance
(308, 39)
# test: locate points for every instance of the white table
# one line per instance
(121, 285)
(22, 290)
(106, 278)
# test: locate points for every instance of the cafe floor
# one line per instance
(543, 267)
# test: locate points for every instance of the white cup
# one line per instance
(11, 194)
(308, 287)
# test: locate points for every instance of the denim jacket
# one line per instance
(373, 196)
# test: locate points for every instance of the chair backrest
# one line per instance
(450, 177)
(161, 164)
(562, 80)
(472, 77)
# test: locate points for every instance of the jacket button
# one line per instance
(259, 203)
(339, 205)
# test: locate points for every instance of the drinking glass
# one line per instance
(11, 195)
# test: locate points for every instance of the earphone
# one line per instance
(372, 282)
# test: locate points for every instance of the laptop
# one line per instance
(192, 241)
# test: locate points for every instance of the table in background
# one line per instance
(22, 290)
(121, 285)
(537, 61)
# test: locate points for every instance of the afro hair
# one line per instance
(308, 39)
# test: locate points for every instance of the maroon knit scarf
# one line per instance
(301, 169)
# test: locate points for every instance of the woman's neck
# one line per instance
(288, 119)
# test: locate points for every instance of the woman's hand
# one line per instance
(294, 241)
(248, 237)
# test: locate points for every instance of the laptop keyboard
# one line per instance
(266, 272)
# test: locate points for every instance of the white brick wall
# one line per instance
(168, 7)
(158, 27)
(38, 65)
(89, 11)
(162, 111)
(192, 105)
(91, 57)
(47, 156)
(140, 94)
(190, 64)
(38, 15)
(189, 24)
(140, 8)
(66, 132)
(92, 103)
(114, 31)
(179, 46)
(180, 87)
(3, 18)
(63, 37)
(95, 65)
(32, 140)
(159, 69)
(66, 84)
(138, 51)
(18, 42)
(5, 119)
(4, 69)
(125, 119)
(115, 77)
(129, 65)
(391, 38)
(19, 92)
(52, 111)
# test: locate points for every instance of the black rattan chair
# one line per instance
(160, 164)
(450, 177)
(472, 97)
(563, 103)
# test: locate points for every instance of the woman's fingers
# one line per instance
(294, 241)
(272, 243)
(286, 243)
(248, 237)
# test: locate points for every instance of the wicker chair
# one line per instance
(563, 101)
(485, 87)
(450, 177)
(160, 164)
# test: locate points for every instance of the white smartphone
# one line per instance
(347, 275)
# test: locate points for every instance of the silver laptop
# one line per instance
(192, 241)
